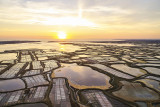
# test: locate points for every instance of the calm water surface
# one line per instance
(40, 45)
(32, 105)
(82, 75)
(12, 84)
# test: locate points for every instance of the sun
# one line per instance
(62, 35)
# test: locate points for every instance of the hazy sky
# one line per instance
(80, 19)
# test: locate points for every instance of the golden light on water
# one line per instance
(62, 35)
(62, 48)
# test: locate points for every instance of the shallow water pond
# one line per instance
(129, 70)
(153, 70)
(151, 83)
(12, 84)
(82, 76)
(32, 105)
(135, 92)
(8, 56)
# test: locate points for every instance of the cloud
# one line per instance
(98, 14)
(22, 10)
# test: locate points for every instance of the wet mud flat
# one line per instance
(92, 75)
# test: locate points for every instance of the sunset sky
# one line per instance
(79, 19)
